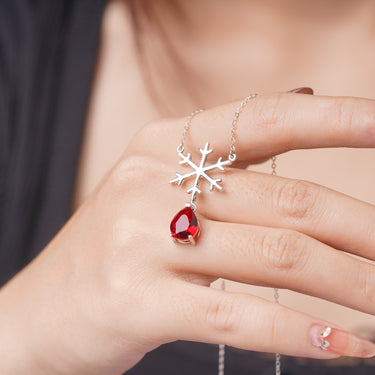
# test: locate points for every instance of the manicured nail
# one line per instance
(303, 90)
(341, 342)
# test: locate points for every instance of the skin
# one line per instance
(121, 104)
(91, 290)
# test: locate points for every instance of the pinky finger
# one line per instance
(204, 314)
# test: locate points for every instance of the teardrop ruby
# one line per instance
(184, 225)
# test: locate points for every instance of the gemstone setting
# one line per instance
(184, 226)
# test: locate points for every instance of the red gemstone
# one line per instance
(184, 225)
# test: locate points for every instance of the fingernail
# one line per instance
(302, 90)
(341, 342)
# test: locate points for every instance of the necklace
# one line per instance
(184, 227)
(221, 358)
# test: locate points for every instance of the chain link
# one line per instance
(277, 355)
(232, 151)
(181, 146)
(220, 370)
(273, 166)
(276, 290)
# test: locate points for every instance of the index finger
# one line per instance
(271, 124)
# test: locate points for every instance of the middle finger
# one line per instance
(331, 217)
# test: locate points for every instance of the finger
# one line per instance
(272, 124)
(299, 90)
(281, 258)
(203, 314)
(334, 218)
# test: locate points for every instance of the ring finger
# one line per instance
(279, 257)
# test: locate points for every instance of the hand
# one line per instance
(112, 285)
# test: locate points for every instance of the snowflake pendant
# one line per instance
(185, 226)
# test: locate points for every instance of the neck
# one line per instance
(224, 47)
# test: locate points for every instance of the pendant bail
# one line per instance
(192, 205)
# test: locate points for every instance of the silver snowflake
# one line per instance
(200, 171)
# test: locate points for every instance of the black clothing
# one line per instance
(47, 55)
(48, 50)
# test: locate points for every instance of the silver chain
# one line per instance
(232, 150)
(232, 157)
(180, 147)
(222, 346)
(220, 370)
(276, 290)
(232, 153)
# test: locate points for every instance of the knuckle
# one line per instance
(295, 199)
(267, 110)
(367, 281)
(223, 314)
(149, 132)
(348, 113)
(124, 292)
(188, 305)
(133, 169)
(129, 233)
(283, 249)
(344, 113)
